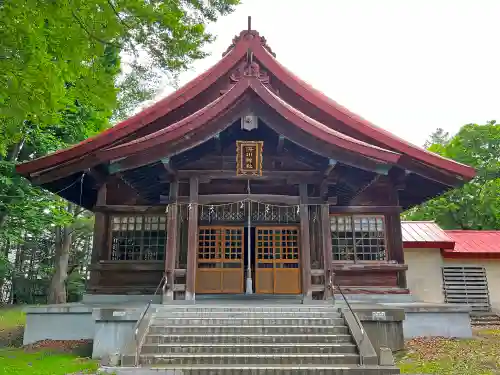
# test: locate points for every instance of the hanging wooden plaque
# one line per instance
(249, 158)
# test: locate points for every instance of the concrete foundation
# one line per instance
(432, 319)
(110, 325)
(114, 328)
(71, 321)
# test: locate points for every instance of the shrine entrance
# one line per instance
(277, 264)
(274, 260)
(248, 247)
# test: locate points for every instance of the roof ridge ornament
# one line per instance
(249, 34)
(249, 68)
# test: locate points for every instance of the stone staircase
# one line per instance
(253, 340)
(482, 319)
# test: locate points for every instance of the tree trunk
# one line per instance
(57, 290)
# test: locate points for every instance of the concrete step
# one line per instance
(486, 323)
(248, 359)
(186, 339)
(251, 321)
(246, 309)
(256, 370)
(247, 329)
(288, 348)
(248, 314)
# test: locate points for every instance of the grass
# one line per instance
(46, 358)
(10, 318)
(439, 356)
(19, 361)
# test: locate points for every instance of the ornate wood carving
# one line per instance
(249, 68)
(249, 35)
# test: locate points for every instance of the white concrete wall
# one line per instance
(492, 268)
(424, 275)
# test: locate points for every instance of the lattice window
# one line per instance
(358, 238)
(219, 243)
(277, 244)
(138, 237)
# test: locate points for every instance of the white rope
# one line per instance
(212, 206)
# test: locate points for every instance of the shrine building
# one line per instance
(247, 180)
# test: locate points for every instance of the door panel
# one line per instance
(277, 260)
(220, 260)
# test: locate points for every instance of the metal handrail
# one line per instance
(138, 338)
(332, 286)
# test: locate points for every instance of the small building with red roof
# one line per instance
(452, 266)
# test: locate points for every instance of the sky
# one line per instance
(407, 66)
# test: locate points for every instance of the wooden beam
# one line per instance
(373, 181)
(267, 175)
(331, 165)
(129, 209)
(327, 181)
(281, 143)
(429, 172)
(218, 143)
(99, 176)
(364, 209)
(167, 164)
(126, 181)
(171, 246)
(305, 243)
(192, 239)
(398, 178)
(263, 198)
(326, 236)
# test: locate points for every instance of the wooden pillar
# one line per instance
(171, 246)
(305, 243)
(326, 237)
(192, 245)
(395, 250)
(100, 249)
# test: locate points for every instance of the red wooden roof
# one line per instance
(425, 234)
(311, 109)
(474, 243)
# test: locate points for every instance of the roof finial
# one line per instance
(249, 23)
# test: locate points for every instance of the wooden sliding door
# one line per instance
(277, 263)
(220, 260)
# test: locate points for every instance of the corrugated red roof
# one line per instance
(475, 242)
(425, 234)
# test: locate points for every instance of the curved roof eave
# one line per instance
(148, 115)
(321, 101)
(89, 148)
(208, 113)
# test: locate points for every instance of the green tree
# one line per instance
(476, 205)
(61, 81)
(51, 49)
